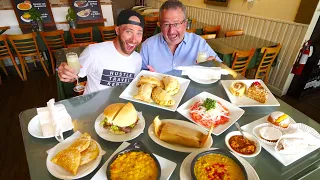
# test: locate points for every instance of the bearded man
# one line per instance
(110, 63)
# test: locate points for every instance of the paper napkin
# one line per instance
(54, 120)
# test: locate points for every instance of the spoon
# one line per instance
(239, 128)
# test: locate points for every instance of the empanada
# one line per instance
(149, 79)
(69, 159)
(144, 93)
(90, 153)
(171, 85)
(82, 143)
(161, 97)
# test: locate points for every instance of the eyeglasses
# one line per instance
(174, 25)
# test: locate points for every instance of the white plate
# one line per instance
(235, 112)
(248, 136)
(167, 166)
(60, 172)
(109, 136)
(284, 159)
(185, 169)
(177, 147)
(245, 101)
(76, 5)
(34, 128)
(132, 90)
(202, 81)
(25, 20)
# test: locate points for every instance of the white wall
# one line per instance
(276, 9)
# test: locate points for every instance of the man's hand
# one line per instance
(211, 58)
(66, 73)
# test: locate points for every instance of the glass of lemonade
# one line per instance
(202, 56)
(73, 62)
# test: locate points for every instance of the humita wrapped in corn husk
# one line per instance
(177, 134)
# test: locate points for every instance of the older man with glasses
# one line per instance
(173, 46)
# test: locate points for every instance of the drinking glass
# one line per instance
(73, 62)
(202, 56)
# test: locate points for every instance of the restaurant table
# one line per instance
(85, 109)
(226, 45)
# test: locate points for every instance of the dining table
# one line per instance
(225, 46)
(3, 29)
(85, 109)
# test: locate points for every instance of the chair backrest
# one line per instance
(107, 33)
(24, 44)
(80, 44)
(234, 33)
(241, 60)
(191, 30)
(212, 30)
(209, 36)
(81, 35)
(150, 25)
(4, 48)
(54, 40)
(269, 55)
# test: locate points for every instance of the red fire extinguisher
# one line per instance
(304, 54)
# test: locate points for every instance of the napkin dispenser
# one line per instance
(54, 120)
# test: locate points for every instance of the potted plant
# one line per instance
(36, 18)
(71, 18)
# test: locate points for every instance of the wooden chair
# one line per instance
(80, 44)
(241, 60)
(81, 35)
(191, 30)
(234, 33)
(263, 70)
(54, 41)
(212, 30)
(5, 53)
(209, 36)
(149, 26)
(107, 33)
(25, 45)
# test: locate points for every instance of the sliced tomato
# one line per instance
(196, 116)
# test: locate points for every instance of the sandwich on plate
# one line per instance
(120, 118)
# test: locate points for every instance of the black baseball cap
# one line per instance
(124, 15)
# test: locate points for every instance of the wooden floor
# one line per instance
(16, 96)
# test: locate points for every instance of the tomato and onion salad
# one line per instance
(209, 112)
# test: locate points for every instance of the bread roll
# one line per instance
(279, 119)
(238, 88)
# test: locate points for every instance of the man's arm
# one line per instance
(211, 54)
(144, 56)
(66, 73)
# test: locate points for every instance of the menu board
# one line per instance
(87, 11)
(22, 7)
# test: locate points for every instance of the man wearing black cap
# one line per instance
(110, 63)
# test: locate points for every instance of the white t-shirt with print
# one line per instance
(105, 67)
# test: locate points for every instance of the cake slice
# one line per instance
(257, 92)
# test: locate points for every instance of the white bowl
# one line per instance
(248, 136)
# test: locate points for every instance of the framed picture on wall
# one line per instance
(87, 11)
(217, 2)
